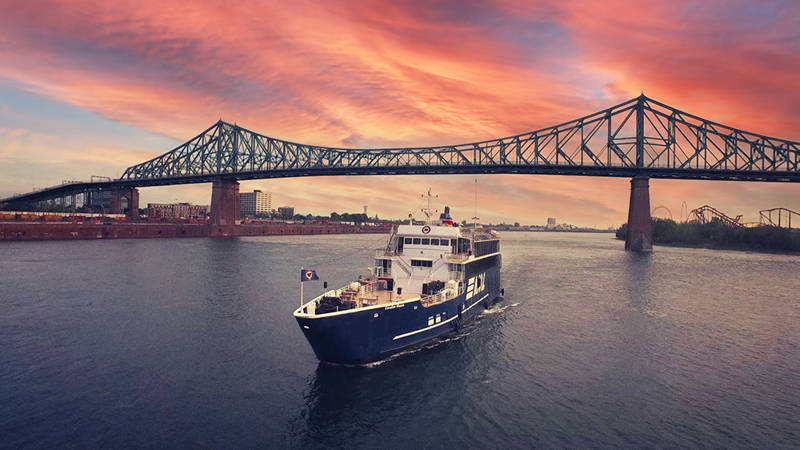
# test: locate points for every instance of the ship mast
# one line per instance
(475, 217)
(428, 211)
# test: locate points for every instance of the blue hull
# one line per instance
(372, 334)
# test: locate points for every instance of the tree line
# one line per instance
(718, 234)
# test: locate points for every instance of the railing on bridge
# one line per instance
(63, 189)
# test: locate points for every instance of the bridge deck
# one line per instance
(639, 137)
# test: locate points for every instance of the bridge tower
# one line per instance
(639, 236)
(132, 195)
(224, 202)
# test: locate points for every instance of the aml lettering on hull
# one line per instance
(476, 285)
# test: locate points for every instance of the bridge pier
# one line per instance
(224, 202)
(639, 236)
(132, 195)
(133, 204)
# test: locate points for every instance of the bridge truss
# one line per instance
(638, 137)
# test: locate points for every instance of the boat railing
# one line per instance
(439, 297)
(430, 300)
(458, 257)
(363, 295)
(382, 252)
(403, 265)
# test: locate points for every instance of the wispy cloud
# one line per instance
(380, 73)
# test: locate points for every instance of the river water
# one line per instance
(190, 342)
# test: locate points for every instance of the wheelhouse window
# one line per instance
(434, 242)
(445, 242)
(486, 247)
(407, 240)
(426, 241)
(416, 241)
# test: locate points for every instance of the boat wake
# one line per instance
(496, 309)
(427, 346)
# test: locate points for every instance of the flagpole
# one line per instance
(301, 286)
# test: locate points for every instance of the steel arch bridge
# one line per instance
(639, 137)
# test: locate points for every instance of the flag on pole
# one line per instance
(308, 275)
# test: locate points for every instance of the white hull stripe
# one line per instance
(411, 333)
(479, 300)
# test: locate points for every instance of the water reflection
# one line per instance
(225, 277)
(596, 348)
(637, 267)
(347, 404)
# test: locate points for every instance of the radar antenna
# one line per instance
(427, 210)
(475, 217)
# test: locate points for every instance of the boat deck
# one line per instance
(377, 297)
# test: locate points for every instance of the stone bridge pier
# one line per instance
(224, 202)
(639, 236)
(132, 196)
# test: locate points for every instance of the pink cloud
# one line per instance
(384, 73)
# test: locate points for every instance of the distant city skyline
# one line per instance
(87, 89)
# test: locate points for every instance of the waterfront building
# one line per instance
(176, 211)
(255, 203)
(286, 212)
(551, 222)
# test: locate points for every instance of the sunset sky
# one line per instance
(90, 88)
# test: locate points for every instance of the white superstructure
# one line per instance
(418, 254)
(426, 282)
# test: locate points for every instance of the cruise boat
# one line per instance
(428, 281)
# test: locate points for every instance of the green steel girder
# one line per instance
(638, 137)
(642, 134)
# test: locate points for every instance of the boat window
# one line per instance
(444, 242)
(385, 263)
(421, 263)
(426, 241)
(434, 242)
(486, 247)
(416, 241)
(407, 240)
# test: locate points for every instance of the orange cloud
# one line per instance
(382, 73)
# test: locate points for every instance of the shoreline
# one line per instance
(711, 246)
(717, 235)
(32, 231)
